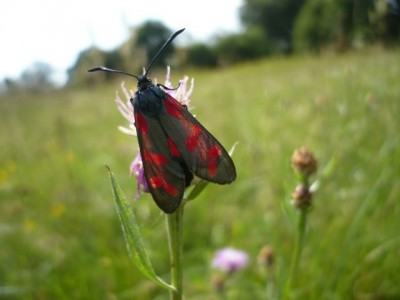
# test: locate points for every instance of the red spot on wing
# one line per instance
(155, 158)
(212, 167)
(158, 182)
(192, 141)
(172, 148)
(213, 154)
(141, 123)
(172, 108)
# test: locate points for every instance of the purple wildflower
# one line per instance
(181, 94)
(230, 260)
(126, 110)
(138, 171)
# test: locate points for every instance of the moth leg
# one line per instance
(167, 88)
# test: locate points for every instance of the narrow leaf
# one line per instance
(230, 152)
(132, 235)
(197, 189)
(326, 172)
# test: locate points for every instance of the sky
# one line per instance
(55, 31)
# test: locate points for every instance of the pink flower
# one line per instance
(126, 110)
(182, 94)
(138, 171)
(230, 260)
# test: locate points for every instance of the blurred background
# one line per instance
(272, 75)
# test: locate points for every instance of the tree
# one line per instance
(317, 25)
(242, 46)
(386, 21)
(87, 59)
(201, 55)
(346, 23)
(274, 18)
(151, 36)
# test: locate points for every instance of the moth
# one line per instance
(174, 146)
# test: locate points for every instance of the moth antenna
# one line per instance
(170, 39)
(104, 69)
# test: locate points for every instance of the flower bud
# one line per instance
(304, 162)
(266, 256)
(301, 197)
(218, 283)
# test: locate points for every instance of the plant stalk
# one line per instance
(175, 242)
(300, 238)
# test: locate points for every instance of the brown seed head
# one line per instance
(218, 283)
(301, 197)
(304, 162)
(266, 256)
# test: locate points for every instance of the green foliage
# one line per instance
(336, 24)
(134, 54)
(274, 18)
(271, 27)
(114, 60)
(317, 25)
(61, 237)
(201, 55)
(234, 48)
(151, 36)
(132, 235)
(87, 59)
(385, 19)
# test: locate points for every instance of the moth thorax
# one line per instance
(143, 83)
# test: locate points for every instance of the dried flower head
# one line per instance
(302, 197)
(304, 162)
(266, 256)
(230, 260)
(218, 283)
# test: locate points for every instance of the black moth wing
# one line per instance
(164, 174)
(198, 148)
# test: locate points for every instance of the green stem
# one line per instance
(271, 284)
(301, 233)
(175, 230)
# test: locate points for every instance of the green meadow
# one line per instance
(60, 235)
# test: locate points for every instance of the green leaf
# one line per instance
(325, 173)
(287, 207)
(132, 235)
(197, 189)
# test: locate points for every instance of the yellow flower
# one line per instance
(58, 209)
